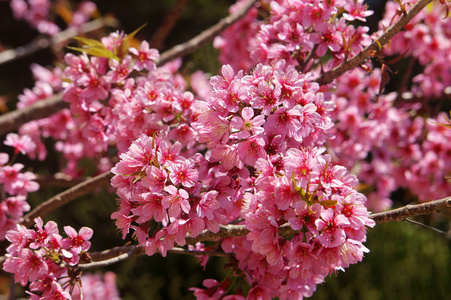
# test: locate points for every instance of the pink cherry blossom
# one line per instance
(330, 225)
(176, 201)
(145, 57)
(247, 124)
(22, 144)
(77, 241)
(183, 173)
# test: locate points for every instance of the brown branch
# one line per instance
(65, 197)
(13, 120)
(130, 250)
(400, 214)
(118, 254)
(177, 250)
(355, 61)
(58, 179)
(126, 252)
(43, 42)
(112, 256)
(224, 231)
(205, 36)
(168, 24)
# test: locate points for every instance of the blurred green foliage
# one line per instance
(405, 262)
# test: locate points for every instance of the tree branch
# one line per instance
(205, 36)
(355, 61)
(58, 179)
(169, 22)
(13, 120)
(130, 250)
(114, 255)
(65, 197)
(126, 252)
(408, 98)
(43, 42)
(224, 231)
(400, 214)
(118, 254)
(178, 250)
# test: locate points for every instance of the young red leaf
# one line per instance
(385, 78)
(397, 58)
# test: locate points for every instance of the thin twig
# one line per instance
(312, 54)
(424, 225)
(407, 98)
(166, 26)
(65, 197)
(355, 61)
(205, 36)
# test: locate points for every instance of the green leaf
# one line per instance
(89, 42)
(443, 124)
(125, 45)
(398, 58)
(327, 203)
(95, 51)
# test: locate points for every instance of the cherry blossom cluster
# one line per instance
(264, 113)
(427, 40)
(158, 186)
(293, 30)
(60, 126)
(327, 218)
(247, 149)
(388, 146)
(92, 123)
(48, 82)
(46, 260)
(234, 47)
(262, 168)
(247, 118)
(38, 14)
(114, 106)
(15, 184)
